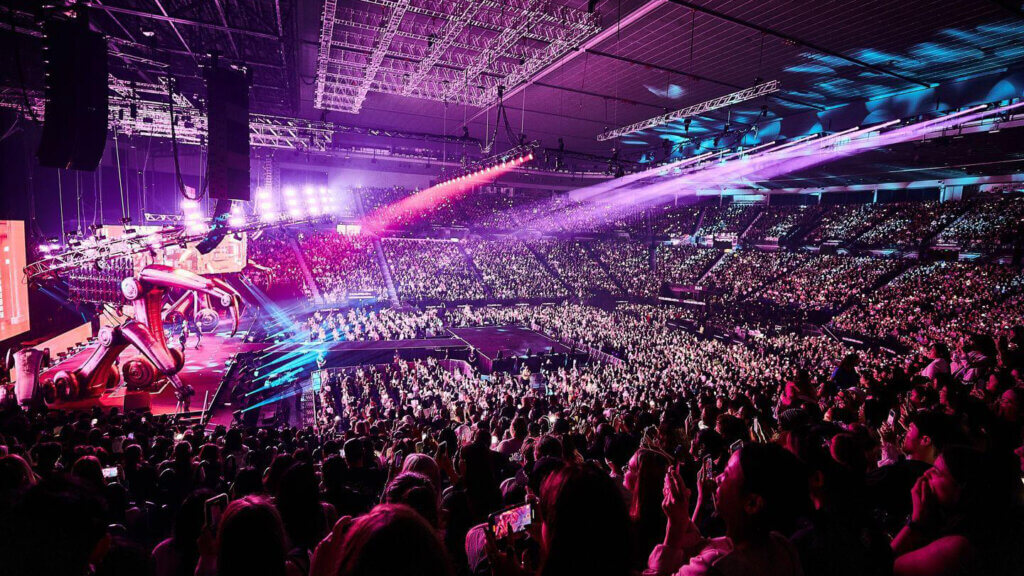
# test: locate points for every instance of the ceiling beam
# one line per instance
(224, 21)
(163, 17)
(797, 41)
(630, 18)
(696, 77)
(627, 101)
(175, 29)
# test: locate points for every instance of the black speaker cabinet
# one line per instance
(227, 101)
(75, 125)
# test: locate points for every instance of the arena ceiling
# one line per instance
(633, 59)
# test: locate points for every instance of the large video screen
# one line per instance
(229, 256)
(13, 288)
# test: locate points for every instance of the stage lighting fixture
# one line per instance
(686, 125)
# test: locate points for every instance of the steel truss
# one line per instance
(140, 109)
(94, 252)
(714, 104)
(458, 51)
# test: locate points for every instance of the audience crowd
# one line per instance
(425, 270)
(343, 264)
(363, 324)
(778, 453)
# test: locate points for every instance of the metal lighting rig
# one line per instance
(96, 251)
(713, 104)
(456, 51)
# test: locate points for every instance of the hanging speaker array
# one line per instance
(75, 125)
(227, 104)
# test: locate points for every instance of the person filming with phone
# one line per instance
(584, 528)
(758, 495)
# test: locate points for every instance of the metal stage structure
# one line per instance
(441, 50)
(93, 251)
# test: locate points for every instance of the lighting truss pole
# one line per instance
(714, 104)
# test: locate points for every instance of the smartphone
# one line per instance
(131, 435)
(110, 473)
(511, 521)
(214, 509)
(94, 422)
(736, 445)
(179, 437)
(709, 463)
(397, 460)
(892, 417)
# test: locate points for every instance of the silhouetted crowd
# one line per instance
(778, 454)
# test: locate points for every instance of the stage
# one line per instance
(204, 368)
(508, 341)
(489, 348)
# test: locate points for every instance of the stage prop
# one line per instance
(145, 332)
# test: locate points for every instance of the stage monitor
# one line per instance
(14, 317)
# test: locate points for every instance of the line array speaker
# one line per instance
(227, 101)
(75, 125)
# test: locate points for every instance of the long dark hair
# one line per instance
(479, 482)
(393, 539)
(298, 501)
(776, 475)
(586, 524)
(251, 539)
(645, 507)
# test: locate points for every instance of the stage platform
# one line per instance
(204, 369)
(509, 341)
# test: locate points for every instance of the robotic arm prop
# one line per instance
(146, 333)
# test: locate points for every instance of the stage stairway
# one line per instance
(475, 271)
(601, 264)
(307, 274)
(550, 269)
(700, 281)
(700, 220)
(743, 234)
(385, 270)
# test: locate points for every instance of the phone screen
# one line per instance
(110, 473)
(215, 509)
(511, 521)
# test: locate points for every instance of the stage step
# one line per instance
(475, 271)
(385, 269)
(306, 272)
(601, 264)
